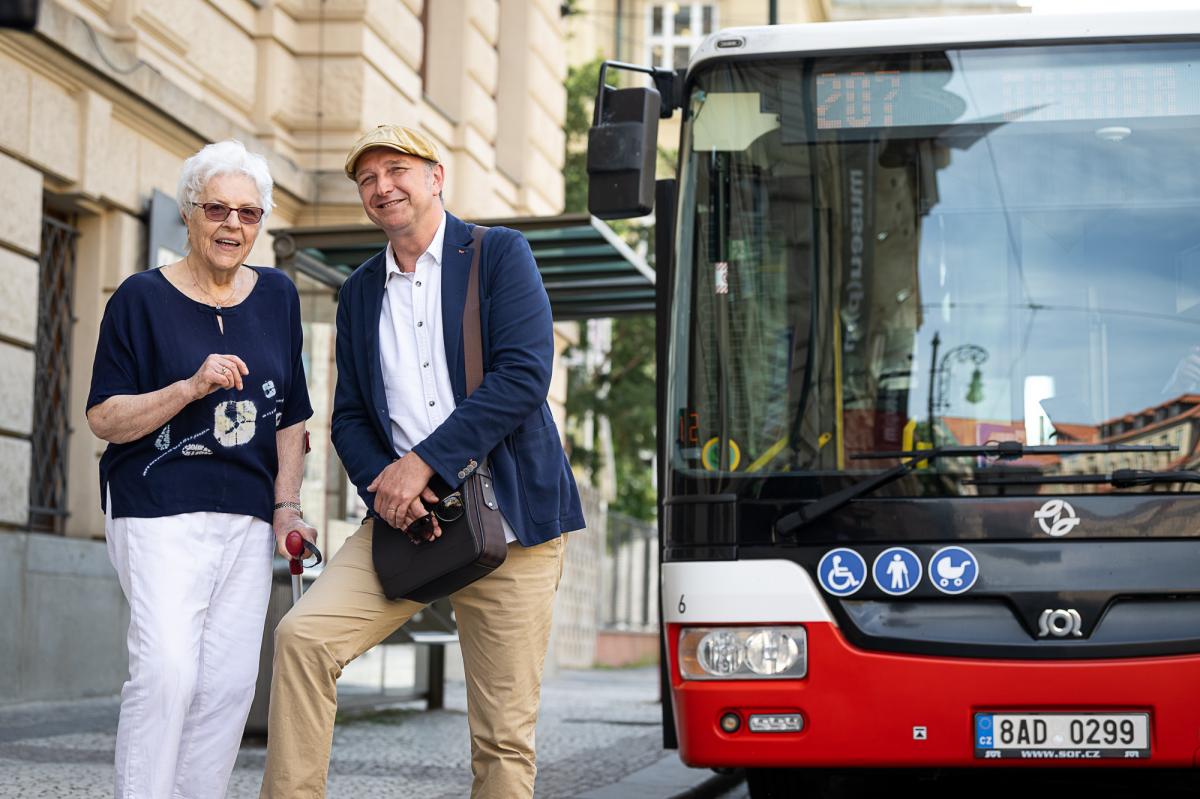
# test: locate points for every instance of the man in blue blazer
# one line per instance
(401, 415)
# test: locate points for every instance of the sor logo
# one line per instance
(1056, 517)
(1060, 623)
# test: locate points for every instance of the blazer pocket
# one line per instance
(539, 463)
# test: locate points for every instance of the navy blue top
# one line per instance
(217, 454)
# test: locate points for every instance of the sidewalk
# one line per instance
(598, 738)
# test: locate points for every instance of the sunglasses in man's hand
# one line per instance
(449, 508)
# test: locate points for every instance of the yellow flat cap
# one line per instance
(396, 137)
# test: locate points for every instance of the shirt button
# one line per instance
(418, 283)
(420, 324)
(431, 403)
(425, 365)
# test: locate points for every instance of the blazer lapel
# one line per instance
(456, 267)
(375, 276)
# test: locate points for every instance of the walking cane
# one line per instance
(296, 546)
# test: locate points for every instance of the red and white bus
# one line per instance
(930, 346)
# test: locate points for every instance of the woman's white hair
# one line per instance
(229, 157)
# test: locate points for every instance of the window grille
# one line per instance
(52, 377)
(674, 30)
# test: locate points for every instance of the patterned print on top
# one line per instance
(234, 422)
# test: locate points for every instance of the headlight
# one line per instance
(741, 653)
(771, 652)
(721, 653)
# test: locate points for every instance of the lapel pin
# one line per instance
(462, 252)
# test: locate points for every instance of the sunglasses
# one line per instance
(219, 212)
(449, 508)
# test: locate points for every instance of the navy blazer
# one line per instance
(507, 419)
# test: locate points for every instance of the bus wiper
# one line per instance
(1005, 450)
(1119, 478)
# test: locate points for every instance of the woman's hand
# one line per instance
(287, 521)
(218, 371)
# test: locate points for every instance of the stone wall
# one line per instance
(20, 243)
(64, 610)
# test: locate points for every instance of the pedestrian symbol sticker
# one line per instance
(897, 571)
(953, 570)
(842, 571)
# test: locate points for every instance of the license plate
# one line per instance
(1062, 736)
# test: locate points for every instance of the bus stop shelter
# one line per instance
(588, 270)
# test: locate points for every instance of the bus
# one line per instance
(929, 316)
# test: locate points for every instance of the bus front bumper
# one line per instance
(872, 709)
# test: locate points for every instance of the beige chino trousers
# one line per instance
(503, 626)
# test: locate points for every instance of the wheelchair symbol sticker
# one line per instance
(842, 571)
(953, 570)
(897, 571)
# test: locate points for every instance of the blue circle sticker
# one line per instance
(897, 571)
(842, 571)
(953, 570)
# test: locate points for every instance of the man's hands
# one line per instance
(398, 491)
(286, 520)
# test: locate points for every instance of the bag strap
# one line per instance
(472, 339)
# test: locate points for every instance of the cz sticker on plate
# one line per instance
(1062, 736)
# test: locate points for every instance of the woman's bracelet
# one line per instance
(291, 505)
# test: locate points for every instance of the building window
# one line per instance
(52, 381)
(674, 30)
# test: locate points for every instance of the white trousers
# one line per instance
(197, 586)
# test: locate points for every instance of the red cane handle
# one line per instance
(295, 547)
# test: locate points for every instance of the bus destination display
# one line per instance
(884, 98)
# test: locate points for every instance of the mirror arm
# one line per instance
(668, 83)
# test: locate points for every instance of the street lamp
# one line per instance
(939, 378)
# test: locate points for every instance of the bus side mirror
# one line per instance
(622, 152)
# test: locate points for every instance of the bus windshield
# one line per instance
(901, 251)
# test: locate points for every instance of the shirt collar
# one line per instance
(434, 250)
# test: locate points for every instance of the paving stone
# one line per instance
(595, 728)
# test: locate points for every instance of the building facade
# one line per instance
(102, 103)
(664, 34)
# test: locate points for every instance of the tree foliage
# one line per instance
(581, 91)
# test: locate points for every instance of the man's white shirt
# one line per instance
(412, 350)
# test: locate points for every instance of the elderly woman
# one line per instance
(199, 389)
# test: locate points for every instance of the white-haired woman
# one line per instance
(199, 389)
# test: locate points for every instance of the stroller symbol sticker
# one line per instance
(953, 570)
(842, 571)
